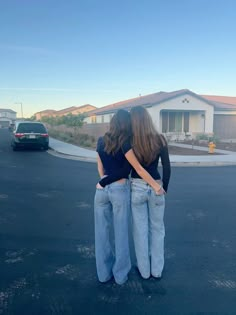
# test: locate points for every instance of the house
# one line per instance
(74, 110)
(7, 117)
(179, 114)
(64, 111)
(43, 113)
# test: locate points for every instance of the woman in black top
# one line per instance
(148, 207)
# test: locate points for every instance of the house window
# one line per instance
(178, 122)
(171, 122)
(175, 121)
(102, 119)
(186, 122)
(165, 122)
(94, 119)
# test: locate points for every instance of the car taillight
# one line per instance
(19, 135)
(45, 135)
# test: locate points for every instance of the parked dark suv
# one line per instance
(28, 134)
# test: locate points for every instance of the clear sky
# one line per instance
(60, 53)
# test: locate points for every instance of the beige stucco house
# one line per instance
(74, 110)
(43, 113)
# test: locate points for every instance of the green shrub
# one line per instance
(208, 137)
(202, 136)
(214, 139)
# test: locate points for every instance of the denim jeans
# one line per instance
(148, 228)
(111, 207)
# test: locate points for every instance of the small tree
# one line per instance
(32, 118)
(69, 120)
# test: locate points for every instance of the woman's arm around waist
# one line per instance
(130, 156)
(116, 175)
(166, 167)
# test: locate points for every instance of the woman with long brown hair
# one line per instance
(112, 203)
(147, 206)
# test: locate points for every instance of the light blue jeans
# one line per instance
(148, 228)
(111, 212)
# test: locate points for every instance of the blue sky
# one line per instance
(60, 53)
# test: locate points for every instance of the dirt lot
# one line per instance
(229, 146)
(182, 151)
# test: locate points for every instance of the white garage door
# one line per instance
(4, 124)
(225, 126)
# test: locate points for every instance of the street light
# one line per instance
(21, 106)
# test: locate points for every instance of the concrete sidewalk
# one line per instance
(68, 150)
(71, 150)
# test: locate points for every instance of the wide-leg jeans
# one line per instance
(112, 207)
(148, 228)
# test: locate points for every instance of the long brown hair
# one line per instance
(119, 132)
(147, 142)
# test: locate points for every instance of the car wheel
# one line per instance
(46, 147)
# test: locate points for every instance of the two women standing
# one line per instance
(134, 148)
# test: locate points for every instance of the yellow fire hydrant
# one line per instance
(211, 146)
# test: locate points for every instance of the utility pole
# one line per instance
(21, 107)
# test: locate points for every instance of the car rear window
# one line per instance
(28, 128)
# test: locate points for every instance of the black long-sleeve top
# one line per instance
(114, 162)
(152, 169)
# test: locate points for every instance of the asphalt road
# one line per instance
(47, 263)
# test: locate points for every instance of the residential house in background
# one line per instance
(74, 110)
(7, 117)
(180, 114)
(43, 113)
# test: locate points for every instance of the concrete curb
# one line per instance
(173, 164)
(71, 157)
(202, 164)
